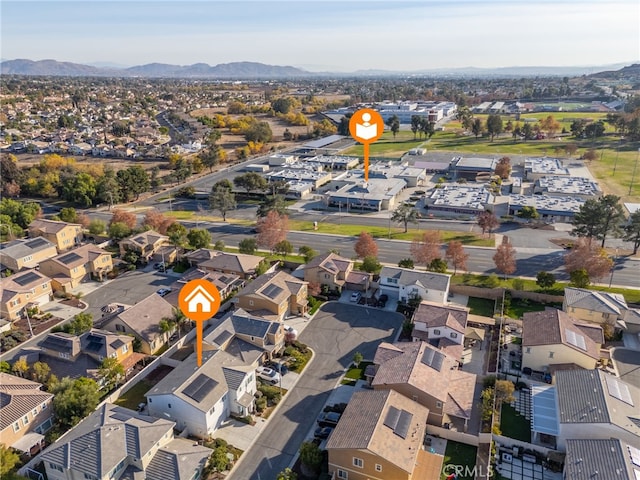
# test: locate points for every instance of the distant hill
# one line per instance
(630, 72)
(225, 70)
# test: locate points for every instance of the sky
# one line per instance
(322, 35)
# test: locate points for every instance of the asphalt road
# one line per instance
(335, 334)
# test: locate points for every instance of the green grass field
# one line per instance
(388, 146)
(459, 454)
(514, 425)
(134, 396)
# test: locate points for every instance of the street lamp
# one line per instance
(615, 164)
(613, 267)
(633, 175)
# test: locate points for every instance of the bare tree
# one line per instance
(272, 229)
(366, 246)
(425, 248)
(456, 255)
(505, 257)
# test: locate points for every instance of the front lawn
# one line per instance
(134, 396)
(458, 454)
(514, 425)
(355, 373)
(481, 306)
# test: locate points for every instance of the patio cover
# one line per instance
(474, 334)
(544, 415)
(26, 443)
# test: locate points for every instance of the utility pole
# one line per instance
(633, 175)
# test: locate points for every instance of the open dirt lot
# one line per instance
(29, 160)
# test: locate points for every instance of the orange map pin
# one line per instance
(199, 300)
(366, 126)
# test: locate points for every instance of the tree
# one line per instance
(5, 367)
(427, 127)
(415, 124)
(223, 200)
(282, 104)
(177, 234)
(8, 460)
(20, 213)
(73, 400)
(40, 372)
(631, 231)
(550, 125)
(357, 359)
(79, 188)
(487, 221)
(505, 257)
(272, 229)
(132, 182)
(155, 220)
(437, 265)
(590, 257)
(545, 280)
(68, 215)
(598, 218)
(405, 214)
(503, 168)
(118, 231)
(248, 246)
(287, 474)
(199, 238)
(251, 182)
(393, 122)
(590, 155)
(456, 255)
(527, 132)
(504, 392)
(310, 457)
(307, 252)
(528, 212)
(111, 373)
(477, 128)
(426, 247)
(579, 278)
(371, 264)
(258, 132)
(406, 263)
(366, 246)
(494, 125)
(212, 156)
(283, 248)
(122, 216)
(80, 323)
(594, 130)
(20, 367)
(274, 203)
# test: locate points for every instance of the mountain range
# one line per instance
(261, 70)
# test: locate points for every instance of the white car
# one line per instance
(290, 332)
(268, 375)
(355, 297)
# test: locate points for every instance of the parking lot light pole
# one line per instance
(633, 175)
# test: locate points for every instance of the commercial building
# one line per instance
(378, 194)
(562, 186)
(470, 167)
(458, 200)
(538, 167)
(555, 209)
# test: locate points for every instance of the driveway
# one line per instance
(336, 332)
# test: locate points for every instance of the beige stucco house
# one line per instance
(64, 235)
(69, 269)
(274, 296)
(23, 289)
(27, 253)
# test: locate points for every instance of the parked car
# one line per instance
(290, 332)
(355, 297)
(268, 375)
(161, 266)
(281, 368)
(328, 419)
(164, 292)
(323, 432)
(527, 371)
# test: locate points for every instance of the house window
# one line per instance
(25, 420)
(378, 467)
(34, 412)
(454, 335)
(120, 328)
(438, 404)
(392, 280)
(125, 348)
(528, 350)
(550, 354)
(168, 405)
(414, 398)
(55, 467)
(44, 406)
(150, 400)
(27, 258)
(251, 302)
(358, 462)
(16, 426)
(436, 332)
(342, 474)
(15, 303)
(44, 286)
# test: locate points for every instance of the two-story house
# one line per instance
(380, 436)
(115, 442)
(442, 326)
(150, 246)
(24, 289)
(20, 254)
(552, 340)
(334, 272)
(588, 458)
(199, 399)
(63, 235)
(142, 320)
(594, 306)
(274, 296)
(226, 283)
(404, 284)
(427, 376)
(70, 269)
(26, 413)
(240, 264)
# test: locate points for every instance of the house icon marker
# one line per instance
(200, 300)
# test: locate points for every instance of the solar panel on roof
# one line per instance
(26, 278)
(391, 420)
(200, 388)
(635, 455)
(618, 390)
(575, 339)
(404, 422)
(433, 359)
(37, 242)
(69, 258)
(272, 291)
(223, 337)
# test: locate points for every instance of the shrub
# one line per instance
(492, 281)
(518, 284)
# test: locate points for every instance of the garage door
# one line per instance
(41, 300)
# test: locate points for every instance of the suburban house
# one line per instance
(150, 246)
(427, 376)
(596, 405)
(70, 269)
(594, 306)
(405, 283)
(243, 265)
(24, 289)
(552, 340)
(115, 442)
(20, 254)
(442, 326)
(199, 399)
(62, 234)
(251, 339)
(380, 436)
(333, 272)
(631, 321)
(25, 413)
(224, 282)
(274, 296)
(142, 320)
(588, 459)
